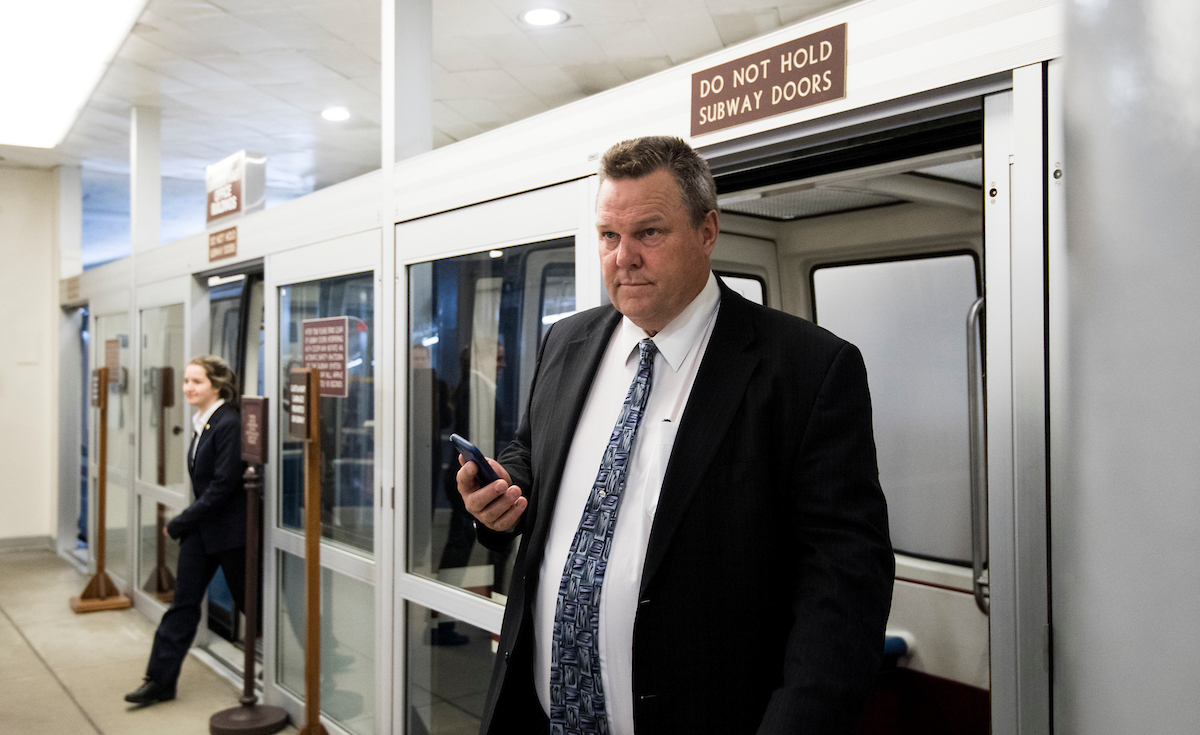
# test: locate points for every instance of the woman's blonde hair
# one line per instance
(220, 375)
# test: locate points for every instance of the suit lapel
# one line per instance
(572, 384)
(715, 397)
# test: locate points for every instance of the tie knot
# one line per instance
(647, 350)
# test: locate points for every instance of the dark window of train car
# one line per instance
(908, 317)
(347, 424)
(752, 287)
(475, 322)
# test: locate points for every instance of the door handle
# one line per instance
(978, 442)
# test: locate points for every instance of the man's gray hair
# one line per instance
(633, 159)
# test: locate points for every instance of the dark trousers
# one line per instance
(178, 625)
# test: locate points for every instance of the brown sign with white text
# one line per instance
(787, 77)
(254, 430)
(324, 347)
(222, 244)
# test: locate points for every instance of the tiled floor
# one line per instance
(67, 674)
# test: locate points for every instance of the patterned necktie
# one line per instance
(576, 692)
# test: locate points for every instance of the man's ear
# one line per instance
(710, 228)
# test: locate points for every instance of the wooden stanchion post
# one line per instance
(251, 718)
(306, 397)
(100, 593)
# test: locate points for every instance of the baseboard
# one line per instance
(27, 543)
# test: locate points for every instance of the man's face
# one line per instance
(654, 261)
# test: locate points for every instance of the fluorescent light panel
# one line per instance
(54, 53)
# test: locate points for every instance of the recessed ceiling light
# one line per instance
(544, 17)
(336, 114)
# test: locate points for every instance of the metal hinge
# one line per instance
(393, 497)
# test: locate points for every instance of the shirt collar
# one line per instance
(677, 339)
(200, 419)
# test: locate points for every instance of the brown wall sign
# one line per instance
(298, 404)
(254, 430)
(112, 359)
(790, 76)
(325, 345)
(222, 244)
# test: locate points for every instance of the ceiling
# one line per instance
(230, 75)
(256, 74)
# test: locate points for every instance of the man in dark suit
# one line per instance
(733, 521)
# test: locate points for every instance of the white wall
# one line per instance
(1126, 519)
(29, 268)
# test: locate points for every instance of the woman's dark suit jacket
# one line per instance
(219, 511)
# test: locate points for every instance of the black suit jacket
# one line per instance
(218, 513)
(768, 575)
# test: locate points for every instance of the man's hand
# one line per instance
(499, 505)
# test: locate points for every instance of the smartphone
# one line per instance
(486, 474)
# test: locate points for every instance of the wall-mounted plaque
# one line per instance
(254, 430)
(112, 359)
(222, 244)
(787, 77)
(325, 347)
(236, 185)
(298, 404)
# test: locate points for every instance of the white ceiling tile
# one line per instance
(545, 81)
(794, 12)
(447, 85)
(593, 78)
(568, 45)
(470, 18)
(584, 12)
(736, 27)
(672, 8)
(198, 75)
(345, 59)
(440, 138)
(460, 54)
(512, 47)
(489, 83)
(733, 7)
(520, 106)
(638, 68)
(144, 51)
(627, 40)
(481, 112)
(686, 38)
(292, 29)
(451, 123)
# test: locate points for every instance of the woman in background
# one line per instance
(211, 531)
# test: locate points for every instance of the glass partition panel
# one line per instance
(475, 325)
(908, 317)
(158, 554)
(347, 424)
(448, 666)
(347, 643)
(161, 450)
(112, 336)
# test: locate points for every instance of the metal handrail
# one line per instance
(978, 430)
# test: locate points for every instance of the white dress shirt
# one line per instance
(681, 346)
(200, 423)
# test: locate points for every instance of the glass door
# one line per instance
(479, 302)
(308, 289)
(113, 347)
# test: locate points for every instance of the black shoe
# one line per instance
(150, 692)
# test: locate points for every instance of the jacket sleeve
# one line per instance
(226, 481)
(843, 588)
